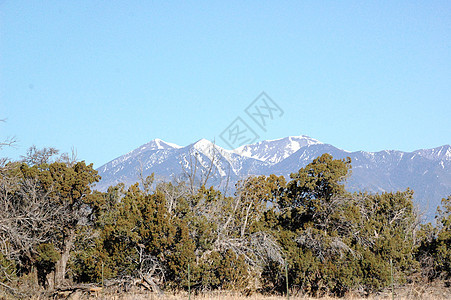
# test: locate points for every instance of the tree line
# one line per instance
(56, 230)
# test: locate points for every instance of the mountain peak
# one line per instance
(296, 138)
(158, 144)
(203, 141)
(274, 151)
(202, 145)
(442, 152)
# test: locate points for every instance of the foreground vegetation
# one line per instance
(55, 231)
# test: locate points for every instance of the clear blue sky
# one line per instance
(108, 76)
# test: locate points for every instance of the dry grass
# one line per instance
(438, 290)
(427, 292)
(224, 296)
(137, 296)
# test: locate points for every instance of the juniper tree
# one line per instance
(334, 240)
(68, 190)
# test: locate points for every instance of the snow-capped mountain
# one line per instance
(426, 171)
(441, 153)
(274, 151)
(168, 161)
(127, 168)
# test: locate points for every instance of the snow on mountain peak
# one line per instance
(158, 144)
(203, 145)
(274, 151)
(442, 152)
(297, 138)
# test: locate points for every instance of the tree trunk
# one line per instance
(50, 278)
(34, 277)
(61, 264)
(243, 228)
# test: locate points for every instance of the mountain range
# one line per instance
(426, 171)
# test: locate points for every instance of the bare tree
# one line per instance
(146, 182)
(69, 159)
(197, 173)
(173, 192)
(27, 219)
(8, 142)
(38, 157)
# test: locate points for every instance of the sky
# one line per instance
(104, 77)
